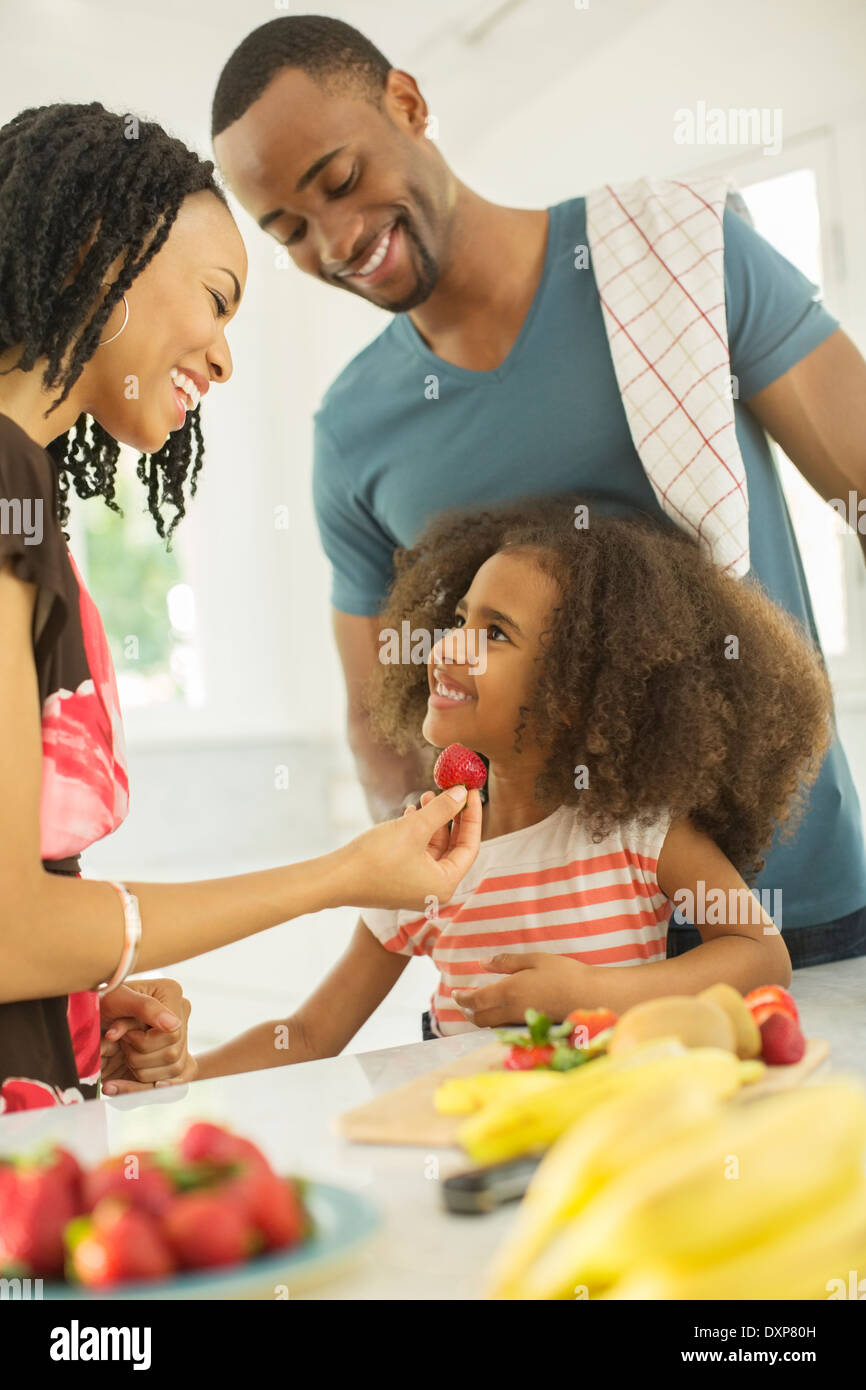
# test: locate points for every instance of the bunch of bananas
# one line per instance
(660, 1190)
(516, 1115)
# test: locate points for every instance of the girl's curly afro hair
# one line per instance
(685, 691)
(68, 174)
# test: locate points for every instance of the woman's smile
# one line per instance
(188, 388)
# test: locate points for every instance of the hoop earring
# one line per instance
(102, 342)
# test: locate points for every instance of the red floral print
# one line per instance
(85, 790)
(20, 1093)
(85, 796)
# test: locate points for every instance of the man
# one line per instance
(495, 379)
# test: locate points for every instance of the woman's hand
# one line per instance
(135, 1058)
(554, 985)
(413, 860)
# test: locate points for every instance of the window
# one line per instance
(785, 211)
(147, 608)
(792, 209)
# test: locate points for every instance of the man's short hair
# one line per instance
(329, 51)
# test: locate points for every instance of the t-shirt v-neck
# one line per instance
(406, 329)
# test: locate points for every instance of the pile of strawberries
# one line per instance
(774, 1011)
(212, 1201)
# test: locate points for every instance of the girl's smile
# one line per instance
(446, 693)
(504, 612)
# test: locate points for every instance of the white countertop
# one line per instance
(422, 1251)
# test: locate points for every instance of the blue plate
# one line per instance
(344, 1222)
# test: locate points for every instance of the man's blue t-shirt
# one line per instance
(390, 453)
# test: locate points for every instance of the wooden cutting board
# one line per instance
(408, 1116)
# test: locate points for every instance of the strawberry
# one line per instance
(213, 1144)
(116, 1243)
(528, 1058)
(209, 1227)
(141, 1183)
(37, 1199)
(781, 1039)
(273, 1206)
(458, 766)
(588, 1023)
(70, 1171)
(768, 999)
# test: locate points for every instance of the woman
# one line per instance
(120, 267)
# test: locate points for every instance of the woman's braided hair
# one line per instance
(69, 173)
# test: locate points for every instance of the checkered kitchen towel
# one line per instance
(658, 257)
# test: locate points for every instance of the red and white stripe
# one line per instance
(547, 888)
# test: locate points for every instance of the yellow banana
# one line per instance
(508, 1127)
(615, 1134)
(812, 1259)
(741, 1177)
(461, 1095)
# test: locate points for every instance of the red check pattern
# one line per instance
(657, 253)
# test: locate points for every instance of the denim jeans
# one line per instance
(838, 940)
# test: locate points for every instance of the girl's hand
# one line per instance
(406, 862)
(554, 985)
(135, 1058)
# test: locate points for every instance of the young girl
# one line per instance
(648, 722)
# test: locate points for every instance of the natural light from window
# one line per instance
(147, 608)
(785, 211)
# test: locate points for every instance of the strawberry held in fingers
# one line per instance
(458, 766)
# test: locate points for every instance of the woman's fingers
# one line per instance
(113, 1065)
(397, 863)
(438, 844)
(434, 816)
(166, 1069)
(138, 1043)
(150, 1050)
(146, 1001)
(464, 842)
(172, 1064)
(122, 1087)
(119, 1028)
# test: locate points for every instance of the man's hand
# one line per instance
(554, 985)
(136, 1057)
(406, 862)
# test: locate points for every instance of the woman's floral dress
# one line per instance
(49, 1048)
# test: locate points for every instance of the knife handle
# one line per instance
(480, 1190)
